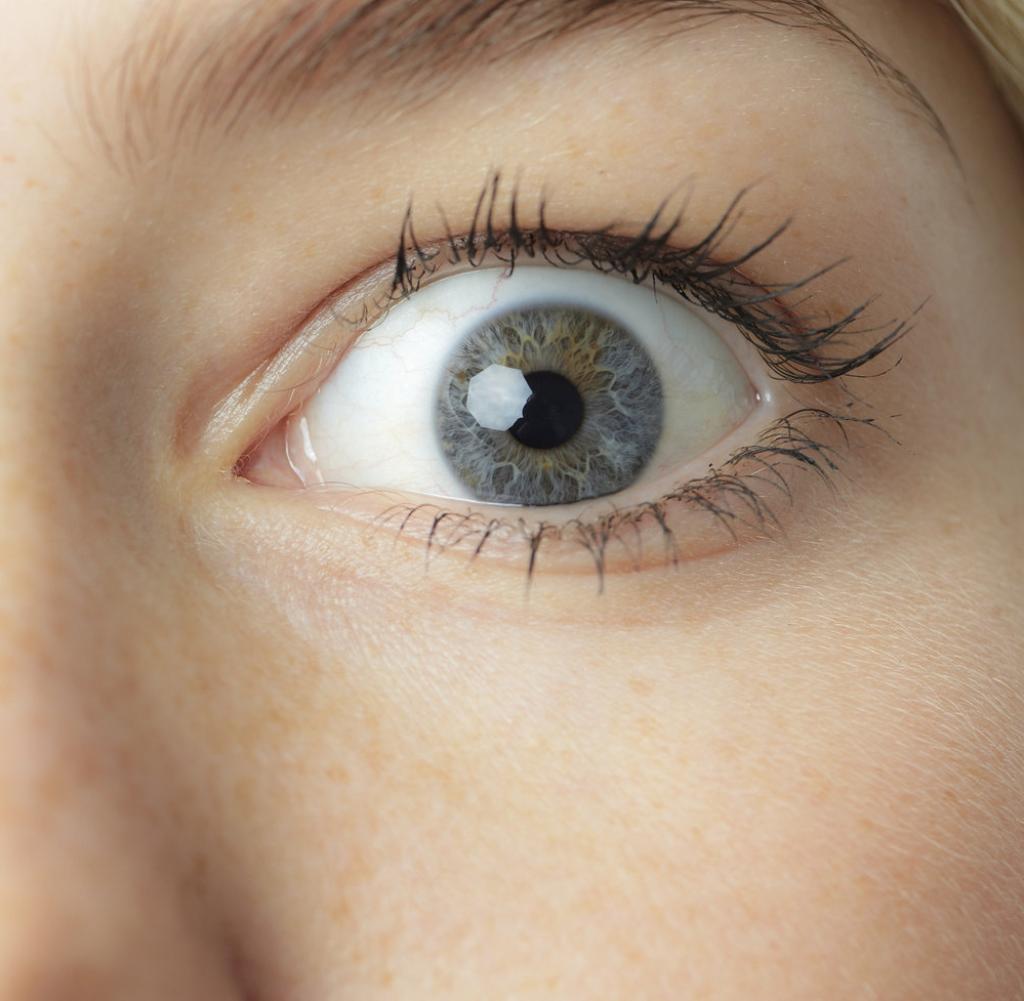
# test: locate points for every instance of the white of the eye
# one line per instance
(372, 423)
(497, 397)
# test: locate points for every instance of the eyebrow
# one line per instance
(179, 79)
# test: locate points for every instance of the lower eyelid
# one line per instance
(694, 514)
(758, 495)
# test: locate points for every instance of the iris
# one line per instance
(549, 405)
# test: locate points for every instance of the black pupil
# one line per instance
(552, 415)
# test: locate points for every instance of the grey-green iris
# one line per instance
(616, 381)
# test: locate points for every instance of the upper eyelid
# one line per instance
(791, 345)
(317, 343)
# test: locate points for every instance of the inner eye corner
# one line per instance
(266, 460)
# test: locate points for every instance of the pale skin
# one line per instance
(250, 748)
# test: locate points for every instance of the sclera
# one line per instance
(371, 423)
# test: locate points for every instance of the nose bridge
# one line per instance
(58, 809)
(91, 904)
(56, 518)
(91, 862)
(62, 351)
(50, 574)
(74, 860)
(92, 897)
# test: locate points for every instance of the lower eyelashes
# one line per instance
(570, 410)
(754, 495)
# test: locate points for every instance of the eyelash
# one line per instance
(732, 499)
(794, 350)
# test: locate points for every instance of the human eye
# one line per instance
(595, 396)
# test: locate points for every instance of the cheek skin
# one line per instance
(806, 792)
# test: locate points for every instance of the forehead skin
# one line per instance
(243, 754)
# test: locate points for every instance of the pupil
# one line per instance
(552, 415)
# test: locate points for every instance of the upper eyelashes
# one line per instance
(796, 348)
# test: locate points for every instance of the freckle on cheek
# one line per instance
(640, 687)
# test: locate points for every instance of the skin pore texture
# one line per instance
(253, 747)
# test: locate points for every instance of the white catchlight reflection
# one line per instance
(497, 397)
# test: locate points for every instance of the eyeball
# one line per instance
(534, 388)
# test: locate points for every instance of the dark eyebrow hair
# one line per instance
(266, 57)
